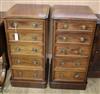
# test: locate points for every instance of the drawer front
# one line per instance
(70, 76)
(74, 25)
(72, 49)
(27, 61)
(25, 24)
(71, 62)
(84, 38)
(26, 36)
(27, 74)
(28, 48)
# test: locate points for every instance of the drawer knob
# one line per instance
(18, 62)
(63, 50)
(77, 75)
(62, 63)
(14, 25)
(34, 49)
(35, 62)
(82, 39)
(83, 27)
(18, 49)
(65, 26)
(34, 25)
(64, 38)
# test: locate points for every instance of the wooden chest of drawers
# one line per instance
(73, 34)
(27, 34)
(94, 69)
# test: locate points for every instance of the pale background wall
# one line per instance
(94, 4)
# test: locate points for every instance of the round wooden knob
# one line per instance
(64, 38)
(34, 25)
(65, 26)
(63, 50)
(77, 75)
(82, 39)
(34, 49)
(35, 62)
(62, 63)
(83, 27)
(14, 24)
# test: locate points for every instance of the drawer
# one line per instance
(20, 61)
(27, 74)
(26, 48)
(25, 24)
(74, 25)
(70, 76)
(25, 36)
(71, 62)
(84, 38)
(72, 49)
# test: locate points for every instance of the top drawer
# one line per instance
(74, 25)
(25, 24)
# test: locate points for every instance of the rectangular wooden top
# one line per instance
(28, 11)
(72, 12)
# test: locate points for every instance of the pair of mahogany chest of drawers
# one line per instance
(27, 42)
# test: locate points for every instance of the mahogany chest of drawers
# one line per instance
(73, 34)
(94, 69)
(27, 32)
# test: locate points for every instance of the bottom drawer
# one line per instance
(27, 74)
(70, 76)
